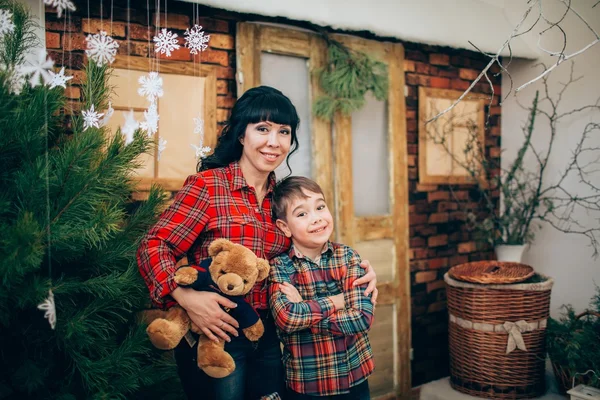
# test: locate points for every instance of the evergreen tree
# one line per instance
(67, 224)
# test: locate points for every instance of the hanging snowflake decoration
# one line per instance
(199, 126)
(91, 118)
(150, 123)
(60, 5)
(162, 145)
(59, 79)
(195, 40)
(49, 307)
(166, 42)
(201, 151)
(151, 86)
(101, 48)
(6, 24)
(38, 69)
(129, 127)
(107, 115)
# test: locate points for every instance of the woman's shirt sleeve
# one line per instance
(171, 237)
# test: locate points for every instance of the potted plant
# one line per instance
(573, 344)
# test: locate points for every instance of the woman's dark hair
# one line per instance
(258, 104)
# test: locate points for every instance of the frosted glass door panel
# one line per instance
(370, 155)
(291, 76)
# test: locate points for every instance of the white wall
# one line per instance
(567, 258)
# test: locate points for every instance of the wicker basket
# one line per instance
(497, 338)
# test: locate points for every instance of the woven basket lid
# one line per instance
(491, 272)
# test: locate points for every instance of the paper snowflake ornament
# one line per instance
(199, 126)
(91, 118)
(107, 115)
(59, 79)
(195, 40)
(6, 24)
(166, 42)
(49, 307)
(150, 122)
(151, 86)
(60, 5)
(162, 145)
(129, 127)
(38, 69)
(201, 151)
(101, 48)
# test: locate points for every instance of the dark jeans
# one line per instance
(358, 392)
(258, 368)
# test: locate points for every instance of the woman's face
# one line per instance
(266, 144)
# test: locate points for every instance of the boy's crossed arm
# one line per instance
(292, 313)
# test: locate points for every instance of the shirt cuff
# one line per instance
(327, 306)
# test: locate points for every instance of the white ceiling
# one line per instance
(451, 23)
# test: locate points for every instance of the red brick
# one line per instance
(140, 32)
(417, 219)
(468, 247)
(225, 102)
(421, 253)
(495, 110)
(136, 49)
(446, 205)
(181, 54)
(415, 55)
(213, 25)
(409, 66)
(52, 40)
(78, 76)
(438, 240)
(222, 86)
(495, 152)
(412, 161)
(437, 263)
(418, 265)
(437, 306)
(417, 80)
(422, 68)
(437, 82)
(460, 195)
(426, 188)
(448, 72)
(172, 21)
(438, 218)
(73, 92)
(411, 114)
(439, 59)
(417, 242)
(436, 285)
(457, 260)
(411, 254)
(211, 56)
(439, 195)
(468, 74)
(225, 73)
(426, 230)
(425, 276)
(73, 24)
(221, 41)
(93, 26)
(74, 41)
(458, 84)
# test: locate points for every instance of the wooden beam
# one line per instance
(247, 74)
(373, 228)
(344, 201)
(285, 41)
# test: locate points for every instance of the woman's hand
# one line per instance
(204, 309)
(369, 278)
(291, 292)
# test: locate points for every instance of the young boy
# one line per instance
(321, 318)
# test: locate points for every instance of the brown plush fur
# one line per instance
(235, 269)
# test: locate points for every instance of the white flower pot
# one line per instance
(510, 252)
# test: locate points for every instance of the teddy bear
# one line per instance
(231, 271)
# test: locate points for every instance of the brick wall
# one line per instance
(438, 239)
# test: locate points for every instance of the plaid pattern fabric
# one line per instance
(326, 351)
(217, 203)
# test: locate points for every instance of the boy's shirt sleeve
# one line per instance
(291, 317)
(357, 316)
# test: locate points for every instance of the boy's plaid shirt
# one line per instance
(217, 203)
(326, 351)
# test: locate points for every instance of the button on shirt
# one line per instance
(212, 204)
(326, 351)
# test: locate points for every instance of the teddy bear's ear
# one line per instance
(218, 246)
(263, 269)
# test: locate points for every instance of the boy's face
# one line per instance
(309, 221)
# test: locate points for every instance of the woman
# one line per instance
(230, 197)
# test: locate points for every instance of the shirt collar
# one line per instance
(295, 253)
(238, 181)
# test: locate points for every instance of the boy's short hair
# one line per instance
(288, 189)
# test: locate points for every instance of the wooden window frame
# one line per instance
(424, 95)
(210, 107)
